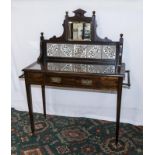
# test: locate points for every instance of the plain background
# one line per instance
(30, 17)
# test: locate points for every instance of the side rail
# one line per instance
(128, 84)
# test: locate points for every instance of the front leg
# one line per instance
(30, 107)
(119, 96)
(44, 99)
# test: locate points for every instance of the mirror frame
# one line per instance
(78, 18)
(79, 31)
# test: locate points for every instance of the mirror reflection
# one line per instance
(79, 31)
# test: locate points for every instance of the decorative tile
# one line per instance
(53, 50)
(109, 52)
(66, 50)
(81, 68)
(94, 51)
(66, 67)
(108, 69)
(81, 51)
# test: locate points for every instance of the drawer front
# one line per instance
(108, 82)
(34, 77)
(82, 82)
(99, 83)
(53, 80)
(57, 80)
(69, 81)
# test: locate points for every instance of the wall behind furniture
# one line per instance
(30, 17)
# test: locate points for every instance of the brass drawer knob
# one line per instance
(55, 79)
(86, 82)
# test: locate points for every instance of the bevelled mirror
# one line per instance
(79, 31)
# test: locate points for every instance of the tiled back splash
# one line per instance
(81, 51)
(81, 68)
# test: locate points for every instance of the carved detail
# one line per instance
(79, 16)
(121, 38)
(120, 48)
(80, 68)
(107, 40)
(40, 58)
(94, 13)
(81, 51)
(79, 12)
(66, 13)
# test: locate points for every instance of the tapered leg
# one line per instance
(119, 96)
(29, 100)
(44, 99)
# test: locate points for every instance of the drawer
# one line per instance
(99, 82)
(82, 82)
(34, 77)
(108, 82)
(56, 80)
(69, 81)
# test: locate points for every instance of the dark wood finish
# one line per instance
(79, 16)
(81, 81)
(44, 99)
(119, 95)
(34, 78)
(39, 74)
(29, 101)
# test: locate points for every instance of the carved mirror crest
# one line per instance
(79, 28)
